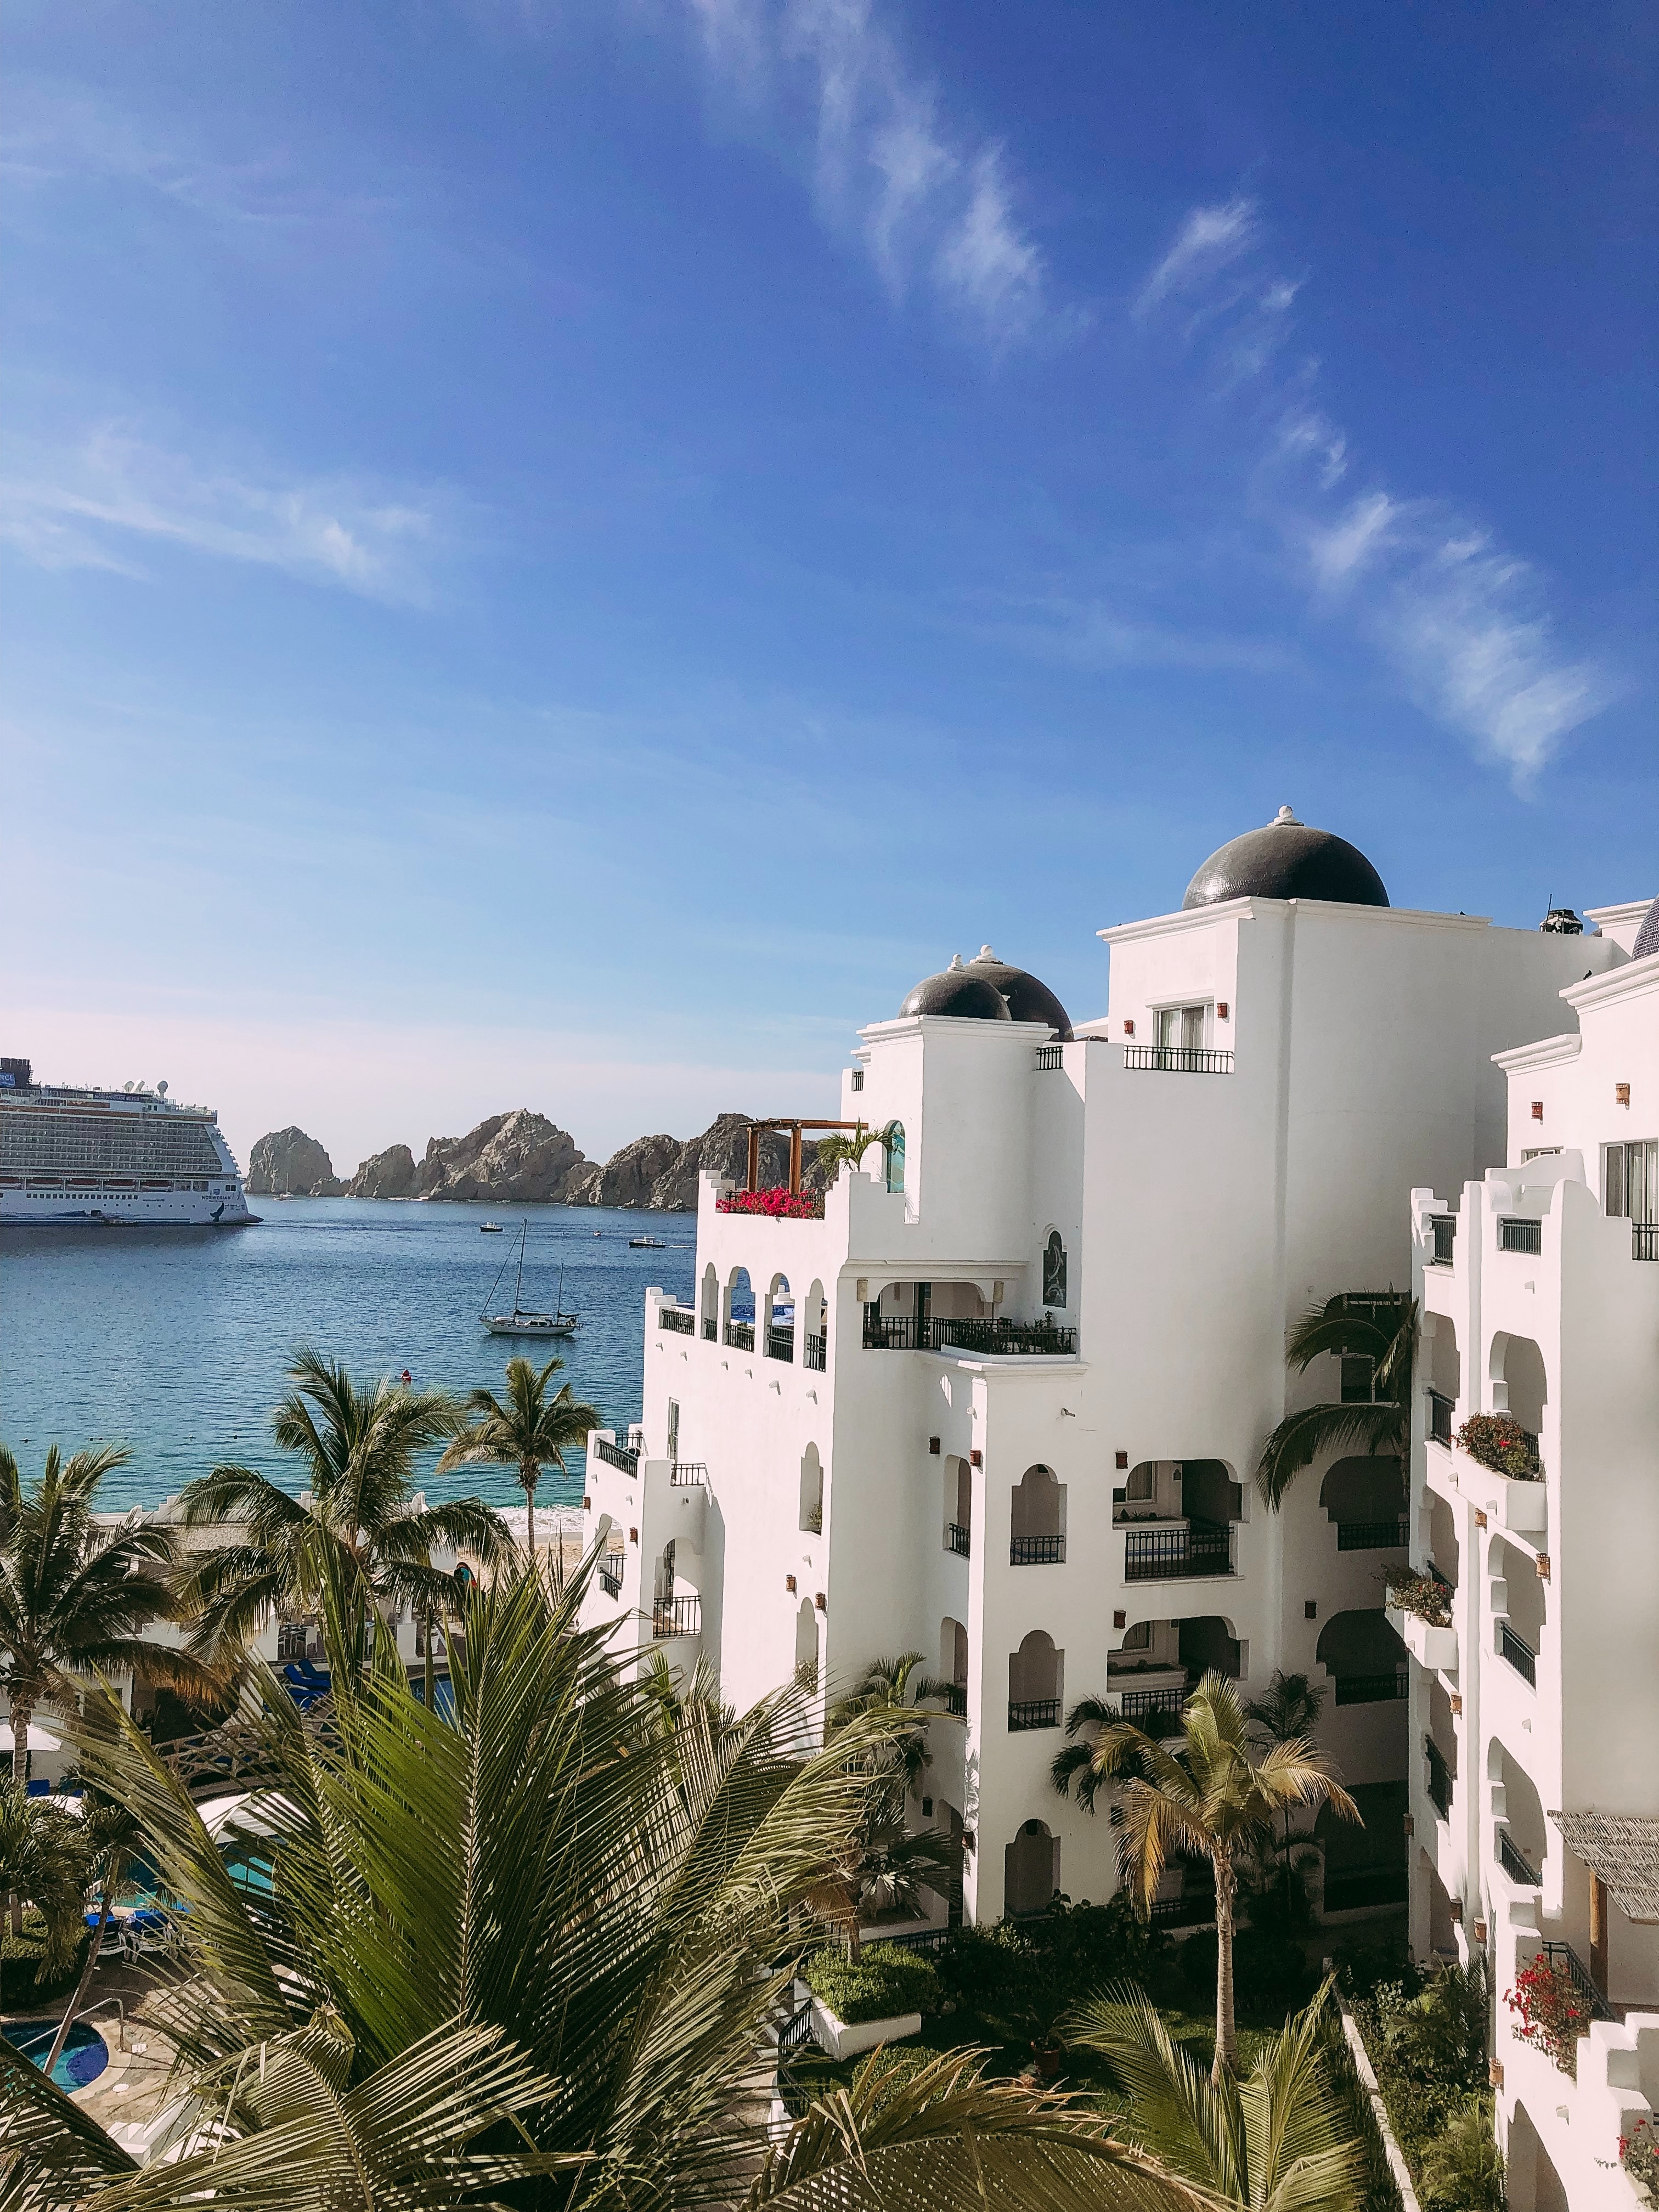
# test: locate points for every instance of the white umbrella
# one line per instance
(39, 1740)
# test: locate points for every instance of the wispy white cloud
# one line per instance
(1092, 633)
(931, 204)
(98, 505)
(1463, 624)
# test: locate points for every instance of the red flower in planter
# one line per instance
(1550, 2014)
(780, 1204)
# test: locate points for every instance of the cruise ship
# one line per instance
(72, 1158)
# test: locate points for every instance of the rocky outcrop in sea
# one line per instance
(289, 1164)
(523, 1157)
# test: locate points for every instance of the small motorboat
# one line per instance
(524, 1321)
(646, 1244)
(489, 1229)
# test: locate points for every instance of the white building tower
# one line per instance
(1001, 1402)
(1535, 1705)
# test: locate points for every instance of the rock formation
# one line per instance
(523, 1157)
(390, 1174)
(289, 1164)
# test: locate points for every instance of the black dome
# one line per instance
(1026, 999)
(1287, 860)
(960, 993)
(1647, 938)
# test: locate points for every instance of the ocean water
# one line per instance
(174, 1341)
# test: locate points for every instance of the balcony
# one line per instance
(933, 1332)
(1444, 1228)
(1178, 1058)
(1047, 1058)
(676, 1616)
(781, 1344)
(1032, 1713)
(1176, 1554)
(1440, 1778)
(1520, 1656)
(711, 1332)
(956, 1700)
(1136, 1704)
(1037, 1552)
(1565, 1962)
(611, 1572)
(1429, 1643)
(1378, 1689)
(682, 1472)
(1442, 1411)
(740, 1336)
(1392, 1535)
(680, 1319)
(1519, 1233)
(814, 1352)
(625, 1456)
(1645, 1240)
(1514, 1864)
(957, 1539)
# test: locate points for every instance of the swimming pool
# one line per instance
(82, 2059)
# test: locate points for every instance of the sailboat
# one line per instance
(521, 1321)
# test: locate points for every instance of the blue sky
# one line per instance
(567, 555)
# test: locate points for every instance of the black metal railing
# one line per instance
(1349, 1889)
(1645, 1240)
(958, 1540)
(1380, 1688)
(626, 1456)
(676, 1616)
(710, 1329)
(1178, 1058)
(1515, 1863)
(1154, 1555)
(1037, 1552)
(1032, 1713)
(931, 1332)
(1134, 1705)
(1447, 1585)
(796, 2031)
(611, 1571)
(1440, 1778)
(680, 1319)
(1521, 1656)
(956, 1700)
(683, 1471)
(781, 1344)
(1441, 1410)
(1048, 1056)
(1517, 1233)
(814, 1352)
(740, 1336)
(919, 1939)
(1444, 1229)
(1374, 1535)
(1565, 1961)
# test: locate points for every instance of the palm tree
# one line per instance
(43, 1861)
(1210, 1793)
(895, 1685)
(1382, 1330)
(1282, 2138)
(550, 1911)
(849, 1144)
(358, 1446)
(529, 1433)
(109, 1837)
(76, 1599)
(1288, 1710)
(886, 1869)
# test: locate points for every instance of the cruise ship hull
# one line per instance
(124, 1209)
(74, 1158)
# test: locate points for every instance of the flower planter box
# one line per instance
(1429, 1646)
(1522, 1508)
(841, 2040)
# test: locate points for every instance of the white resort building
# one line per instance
(1000, 1397)
(1534, 1699)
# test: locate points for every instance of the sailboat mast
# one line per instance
(523, 1231)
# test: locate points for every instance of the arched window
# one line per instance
(1031, 1871)
(892, 1145)
(806, 1644)
(812, 1492)
(1053, 1271)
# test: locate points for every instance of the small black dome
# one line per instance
(1027, 999)
(1287, 860)
(960, 993)
(1647, 938)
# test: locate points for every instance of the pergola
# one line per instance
(794, 1125)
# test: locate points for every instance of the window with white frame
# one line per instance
(1630, 1180)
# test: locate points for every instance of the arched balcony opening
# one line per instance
(1445, 1375)
(1036, 1526)
(711, 1304)
(815, 1339)
(892, 1150)
(1440, 1750)
(1366, 1661)
(1518, 1605)
(1035, 1673)
(779, 1343)
(953, 1664)
(1030, 1876)
(1146, 1675)
(958, 1507)
(1366, 1498)
(806, 1644)
(1207, 1646)
(740, 1311)
(812, 1492)
(1519, 1385)
(1444, 1547)
(1180, 1518)
(1055, 1271)
(1521, 1838)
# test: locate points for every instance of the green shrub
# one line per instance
(888, 1980)
(1499, 1442)
(1462, 2167)
(1270, 1972)
(21, 1983)
(1360, 1967)
(1013, 1983)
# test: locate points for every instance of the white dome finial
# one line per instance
(985, 953)
(1286, 818)
(956, 960)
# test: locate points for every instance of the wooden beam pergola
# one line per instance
(794, 1125)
